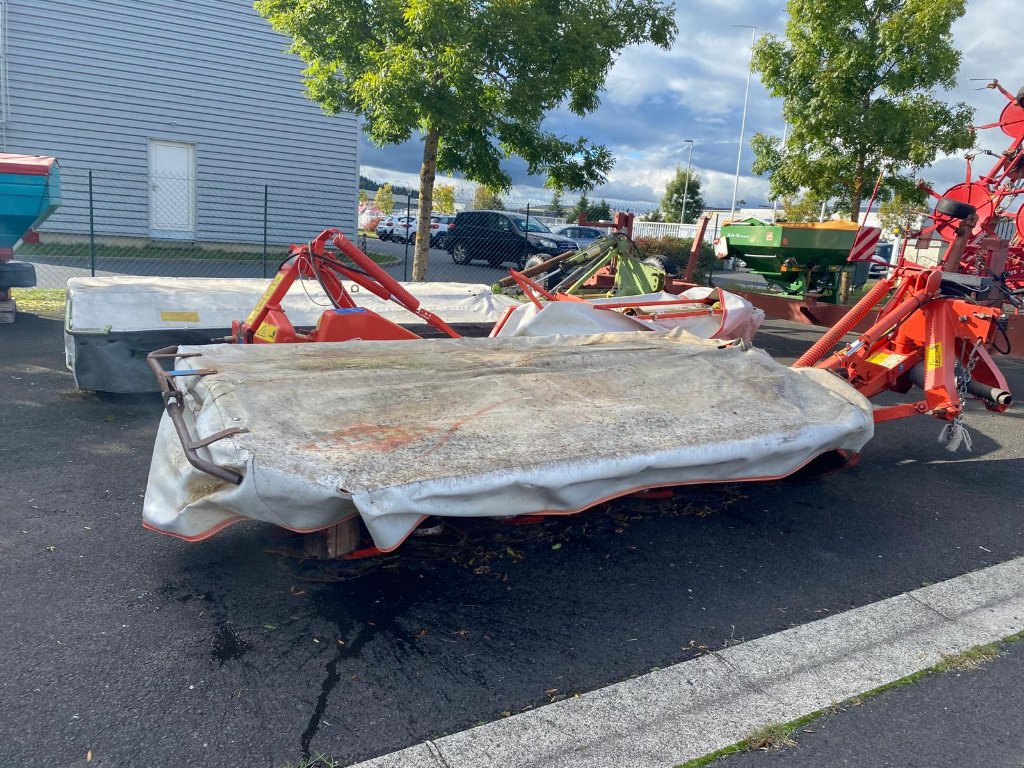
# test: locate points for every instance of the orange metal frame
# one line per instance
(920, 336)
(269, 324)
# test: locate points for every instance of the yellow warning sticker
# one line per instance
(179, 317)
(933, 356)
(264, 298)
(267, 332)
(886, 359)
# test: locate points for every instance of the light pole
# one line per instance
(686, 185)
(743, 124)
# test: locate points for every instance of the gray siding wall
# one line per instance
(92, 82)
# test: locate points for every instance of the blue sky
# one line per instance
(655, 99)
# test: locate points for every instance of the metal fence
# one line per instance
(170, 226)
(490, 250)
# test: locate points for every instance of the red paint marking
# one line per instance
(454, 427)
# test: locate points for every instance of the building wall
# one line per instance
(92, 82)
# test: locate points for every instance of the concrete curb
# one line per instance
(691, 709)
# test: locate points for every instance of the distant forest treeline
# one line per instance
(396, 189)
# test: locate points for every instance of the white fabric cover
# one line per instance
(131, 303)
(740, 319)
(484, 427)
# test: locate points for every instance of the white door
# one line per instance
(172, 190)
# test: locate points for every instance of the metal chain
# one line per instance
(955, 433)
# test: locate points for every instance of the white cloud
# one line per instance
(654, 99)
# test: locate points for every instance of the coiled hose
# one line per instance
(857, 313)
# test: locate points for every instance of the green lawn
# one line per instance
(48, 302)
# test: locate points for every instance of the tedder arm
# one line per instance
(934, 332)
(268, 323)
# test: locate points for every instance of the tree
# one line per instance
(902, 213)
(384, 200)
(600, 212)
(444, 198)
(805, 208)
(654, 215)
(487, 199)
(582, 207)
(856, 78)
(363, 197)
(475, 79)
(672, 202)
(556, 205)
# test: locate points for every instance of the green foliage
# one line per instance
(803, 208)
(486, 199)
(677, 251)
(857, 79)
(384, 200)
(444, 198)
(902, 213)
(363, 197)
(655, 215)
(591, 211)
(556, 205)
(481, 74)
(582, 207)
(672, 202)
(372, 186)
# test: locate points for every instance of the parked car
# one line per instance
(500, 237)
(876, 270)
(405, 229)
(386, 227)
(583, 236)
(439, 224)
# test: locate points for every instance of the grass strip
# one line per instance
(779, 735)
(48, 302)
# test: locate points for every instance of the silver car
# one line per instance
(583, 236)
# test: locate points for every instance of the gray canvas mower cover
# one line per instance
(304, 436)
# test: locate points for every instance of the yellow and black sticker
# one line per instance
(264, 298)
(179, 317)
(267, 332)
(933, 356)
(886, 359)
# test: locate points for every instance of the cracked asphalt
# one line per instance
(135, 648)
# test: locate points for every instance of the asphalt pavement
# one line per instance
(956, 719)
(134, 648)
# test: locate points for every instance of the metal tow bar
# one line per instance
(174, 405)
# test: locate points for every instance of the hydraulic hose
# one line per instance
(846, 324)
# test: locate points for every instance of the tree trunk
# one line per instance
(427, 173)
(858, 191)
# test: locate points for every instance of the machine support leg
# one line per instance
(336, 541)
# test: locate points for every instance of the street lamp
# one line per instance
(686, 186)
(743, 124)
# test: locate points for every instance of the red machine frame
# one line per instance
(268, 323)
(991, 194)
(934, 332)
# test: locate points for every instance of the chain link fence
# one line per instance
(482, 248)
(169, 226)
